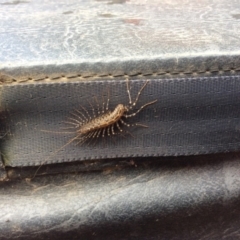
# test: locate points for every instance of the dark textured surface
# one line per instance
(151, 198)
(3, 174)
(164, 198)
(191, 116)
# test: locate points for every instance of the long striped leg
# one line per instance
(66, 128)
(77, 116)
(84, 138)
(121, 131)
(74, 124)
(119, 128)
(139, 93)
(75, 121)
(83, 115)
(103, 133)
(133, 124)
(97, 136)
(93, 111)
(95, 133)
(89, 117)
(134, 114)
(108, 99)
(97, 105)
(129, 94)
(112, 130)
(108, 131)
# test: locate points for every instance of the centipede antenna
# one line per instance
(139, 93)
(128, 91)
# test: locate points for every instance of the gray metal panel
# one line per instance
(91, 38)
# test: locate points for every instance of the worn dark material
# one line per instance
(57, 54)
(151, 198)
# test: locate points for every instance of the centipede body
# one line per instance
(106, 122)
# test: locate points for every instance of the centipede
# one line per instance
(100, 121)
(104, 123)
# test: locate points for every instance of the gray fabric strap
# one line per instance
(192, 116)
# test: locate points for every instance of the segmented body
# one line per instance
(105, 122)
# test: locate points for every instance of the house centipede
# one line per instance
(102, 123)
